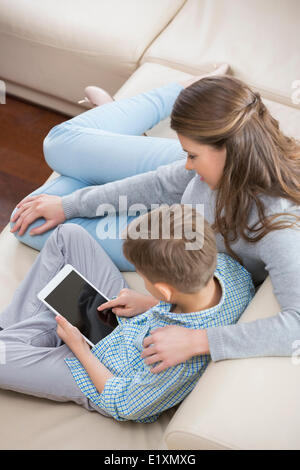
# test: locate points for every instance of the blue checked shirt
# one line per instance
(135, 393)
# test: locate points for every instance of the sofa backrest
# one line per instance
(260, 39)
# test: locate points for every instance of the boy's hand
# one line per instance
(71, 336)
(129, 303)
(97, 372)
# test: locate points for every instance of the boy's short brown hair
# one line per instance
(168, 258)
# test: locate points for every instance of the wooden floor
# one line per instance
(23, 127)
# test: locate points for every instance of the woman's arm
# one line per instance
(275, 335)
(271, 336)
(164, 185)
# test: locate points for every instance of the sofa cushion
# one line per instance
(235, 405)
(259, 39)
(36, 423)
(243, 403)
(151, 75)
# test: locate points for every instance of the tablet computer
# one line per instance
(71, 295)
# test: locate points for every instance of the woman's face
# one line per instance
(207, 161)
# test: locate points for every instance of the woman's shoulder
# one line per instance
(236, 281)
(275, 205)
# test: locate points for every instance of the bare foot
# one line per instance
(221, 70)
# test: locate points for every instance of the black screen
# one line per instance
(77, 301)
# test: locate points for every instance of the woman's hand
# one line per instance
(34, 207)
(71, 336)
(129, 303)
(172, 345)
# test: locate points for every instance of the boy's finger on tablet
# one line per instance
(109, 304)
(103, 306)
(121, 311)
(62, 320)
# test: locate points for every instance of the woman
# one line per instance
(239, 165)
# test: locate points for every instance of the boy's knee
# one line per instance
(70, 230)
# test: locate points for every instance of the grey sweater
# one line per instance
(277, 254)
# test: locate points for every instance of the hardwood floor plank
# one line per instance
(24, 166)
(13, 189)
(23, 127)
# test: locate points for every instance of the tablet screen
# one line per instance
(77, 301)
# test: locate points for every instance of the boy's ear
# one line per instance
(164, 289)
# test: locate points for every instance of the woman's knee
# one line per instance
(11, 216)
(52, 144)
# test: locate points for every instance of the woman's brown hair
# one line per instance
(260, 160)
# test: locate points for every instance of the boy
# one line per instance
(196, 287)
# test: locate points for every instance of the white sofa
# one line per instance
(237, 404)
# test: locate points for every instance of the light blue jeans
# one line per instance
(102, 145)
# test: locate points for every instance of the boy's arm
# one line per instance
(98, 373)
(145, 395)
(129, 303)
(72, 337)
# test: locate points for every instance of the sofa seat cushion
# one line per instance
(36, 423)
(151, 75)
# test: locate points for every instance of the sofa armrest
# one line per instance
(243, 403)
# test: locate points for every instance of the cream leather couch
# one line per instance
(237, 404)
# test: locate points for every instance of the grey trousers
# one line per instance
(34, 353)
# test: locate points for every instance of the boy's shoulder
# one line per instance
(229, 267)
(236, 279)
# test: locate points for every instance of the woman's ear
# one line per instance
(164, 289)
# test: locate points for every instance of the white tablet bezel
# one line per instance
(55, 281)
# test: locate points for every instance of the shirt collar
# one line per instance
(164, 309)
